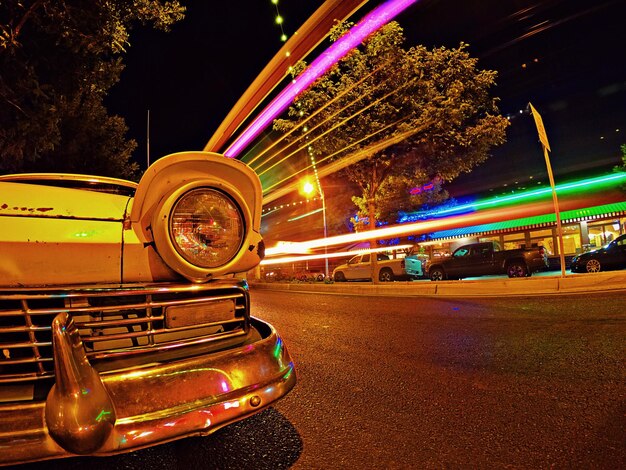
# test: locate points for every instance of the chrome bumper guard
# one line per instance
(87, 412)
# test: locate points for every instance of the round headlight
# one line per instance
(206, 227)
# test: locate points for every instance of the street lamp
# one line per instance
(308, 188)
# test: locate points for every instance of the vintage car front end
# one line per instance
(123, 320)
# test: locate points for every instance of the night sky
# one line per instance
(565, 56)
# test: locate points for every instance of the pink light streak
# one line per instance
(373, 21)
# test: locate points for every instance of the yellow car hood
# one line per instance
(32, 200)
(53, 235)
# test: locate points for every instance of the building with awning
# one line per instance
(592, 210)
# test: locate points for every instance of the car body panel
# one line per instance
(41, 201)
(114, 231)
(76, 233)
(416, 265)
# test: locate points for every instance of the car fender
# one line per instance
(157, 191)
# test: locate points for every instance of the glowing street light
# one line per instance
(308, 188)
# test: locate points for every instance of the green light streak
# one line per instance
(589, 184)
(305, 215)
(533, 220)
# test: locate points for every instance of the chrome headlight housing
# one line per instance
(206, 227)
(202, 229)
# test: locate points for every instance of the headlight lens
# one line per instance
(206, 227)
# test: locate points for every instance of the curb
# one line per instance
(544, 285)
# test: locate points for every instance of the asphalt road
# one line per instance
(535, 382)
(431, 383)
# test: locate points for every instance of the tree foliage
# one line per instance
(406, 117)
(58, 59)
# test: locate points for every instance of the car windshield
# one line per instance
(461, 252)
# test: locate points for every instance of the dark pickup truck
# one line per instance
(479, 259)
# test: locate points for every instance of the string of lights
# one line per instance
(268, 210)
(279, 21)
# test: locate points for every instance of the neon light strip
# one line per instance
(355, 36)
(531, 194)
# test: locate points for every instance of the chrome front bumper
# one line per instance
(87, 413)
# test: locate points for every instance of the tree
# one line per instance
(405, 117)
(58, 59)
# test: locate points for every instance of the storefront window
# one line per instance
(542, 238)
(513, 241)
(571, 240)
(601, 233)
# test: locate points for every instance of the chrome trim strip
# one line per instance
(147, 327)
(196, 396)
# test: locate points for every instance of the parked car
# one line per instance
(309, 276)
(611, 256)
(479, 259)
(359, 269)
(278, 275)
(124, 310)
(416, 265)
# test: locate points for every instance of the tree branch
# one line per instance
(25, 17)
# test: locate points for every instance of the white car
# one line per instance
(359, 268)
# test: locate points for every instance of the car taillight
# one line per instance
(402, 264)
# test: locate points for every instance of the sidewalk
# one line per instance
(534, 285)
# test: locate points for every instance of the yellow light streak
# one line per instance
(308, 214)
(336, 126)
(418, 228)
(344, 162)
(343, 254)
(300, 125)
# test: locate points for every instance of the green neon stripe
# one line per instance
(606, 209)
(586, 185)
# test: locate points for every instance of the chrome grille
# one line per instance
(117, 322)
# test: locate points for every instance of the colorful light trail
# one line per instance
(368, 25)
(492, 210)
(342, 254)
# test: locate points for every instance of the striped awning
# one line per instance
(617, 209)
